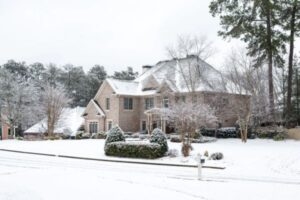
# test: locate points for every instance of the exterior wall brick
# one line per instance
(111, 114)
(5, 130)
(129, 120)
(226, 106)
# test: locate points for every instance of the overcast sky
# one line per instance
(112, 33)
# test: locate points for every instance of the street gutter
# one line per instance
(110, 160)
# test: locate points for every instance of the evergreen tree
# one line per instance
(129, 74)
(256, 23)
(290, 21)
(95, 78)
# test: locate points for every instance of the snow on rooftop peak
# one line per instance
(168, 71)
(68, 124)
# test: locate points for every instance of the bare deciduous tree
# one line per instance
(54, 100)
(188, 117)
(243, 79)
(190, 75)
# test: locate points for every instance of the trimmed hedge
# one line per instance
(133, 150)
(225, 132)
(115, 145)
(209, 132)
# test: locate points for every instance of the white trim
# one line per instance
(98, 108)
(92, 102)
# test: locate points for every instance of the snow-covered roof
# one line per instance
(124, 87)
(170, 72)
(68, 123)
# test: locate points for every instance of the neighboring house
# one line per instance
(125, 102)
(5, 131)
(69, 124)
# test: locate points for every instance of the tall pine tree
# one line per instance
(255, 22)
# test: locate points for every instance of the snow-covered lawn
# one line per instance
(261, 159)
(259, 169)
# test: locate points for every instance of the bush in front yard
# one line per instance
(100, 135)
(227, 132)
(216, 156)
(157, 136)
(133, 150)
(279, 137)
(175, 138)
(115, 134)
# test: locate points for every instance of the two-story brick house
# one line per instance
(125, 102)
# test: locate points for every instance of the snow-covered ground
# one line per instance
(259, 169)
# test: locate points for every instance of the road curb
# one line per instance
(109, 160)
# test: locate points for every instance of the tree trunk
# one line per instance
(270, 65)
(290, 67)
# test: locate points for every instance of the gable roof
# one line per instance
(167, 73)
(96, 105)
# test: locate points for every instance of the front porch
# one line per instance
(157, 118)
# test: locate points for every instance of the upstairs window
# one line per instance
(107, 103)
(166, 102)
(149, 103)
(128, 103)
(109, 125)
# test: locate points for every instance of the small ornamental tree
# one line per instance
(160, 138)
(115, 134)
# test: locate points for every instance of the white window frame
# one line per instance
(97, 126)
(107, 103)
(166, 102)
(108, 122)
(125, 106)
(149, 103)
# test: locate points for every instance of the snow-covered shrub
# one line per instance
(267, 134)
(210, 132)
(175, 138)
(279, 137)
(216, 156)
(115, 134)
(100, 135)
(85, 136)
(227, 132)
(186, 148)
(53, 137)
(157, 136)
(197, 134)
(206, 154)
(133, 150)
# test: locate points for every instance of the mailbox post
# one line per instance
(200, 162)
